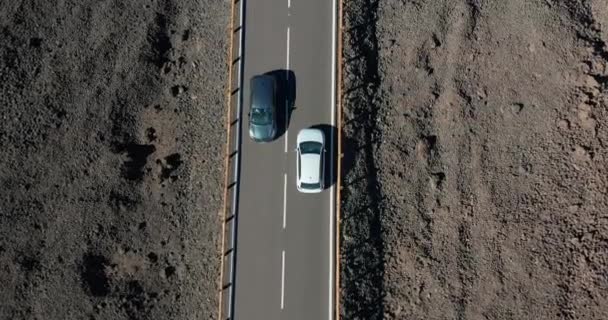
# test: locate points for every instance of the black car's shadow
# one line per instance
(286, 98)
(331, 152)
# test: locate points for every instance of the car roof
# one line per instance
(310, 165)
(262, 91)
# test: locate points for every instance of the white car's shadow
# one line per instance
(331, 151)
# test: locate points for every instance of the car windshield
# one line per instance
(260, 116)
(310, 147)
(311, 185)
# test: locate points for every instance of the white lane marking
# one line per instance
(283, 280)
(287, 64)
(288, 3)
(285, 201)
(331, 167)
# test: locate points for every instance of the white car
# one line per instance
(310, 164)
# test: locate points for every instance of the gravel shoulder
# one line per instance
(475, 178)
(111, 171)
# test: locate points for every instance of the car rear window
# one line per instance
(310, 185)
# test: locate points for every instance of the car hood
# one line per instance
(310, 135)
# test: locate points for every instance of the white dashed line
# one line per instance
(285, 201)
(283, 280)
(287, 64)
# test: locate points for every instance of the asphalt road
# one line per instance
(284, 248)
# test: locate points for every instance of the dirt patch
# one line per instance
(112, 158)
(480, 191)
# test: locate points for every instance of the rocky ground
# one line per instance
(476, 180)
(111, 166)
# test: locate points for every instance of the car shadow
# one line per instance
(331, 153)
(286, 98)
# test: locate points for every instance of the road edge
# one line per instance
(226, 281)
(226, 159)
(337, 233)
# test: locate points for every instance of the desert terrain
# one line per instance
(475, 166)
(111, 167)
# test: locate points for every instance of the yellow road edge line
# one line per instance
(227, 159)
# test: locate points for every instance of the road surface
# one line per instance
(284, 248)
